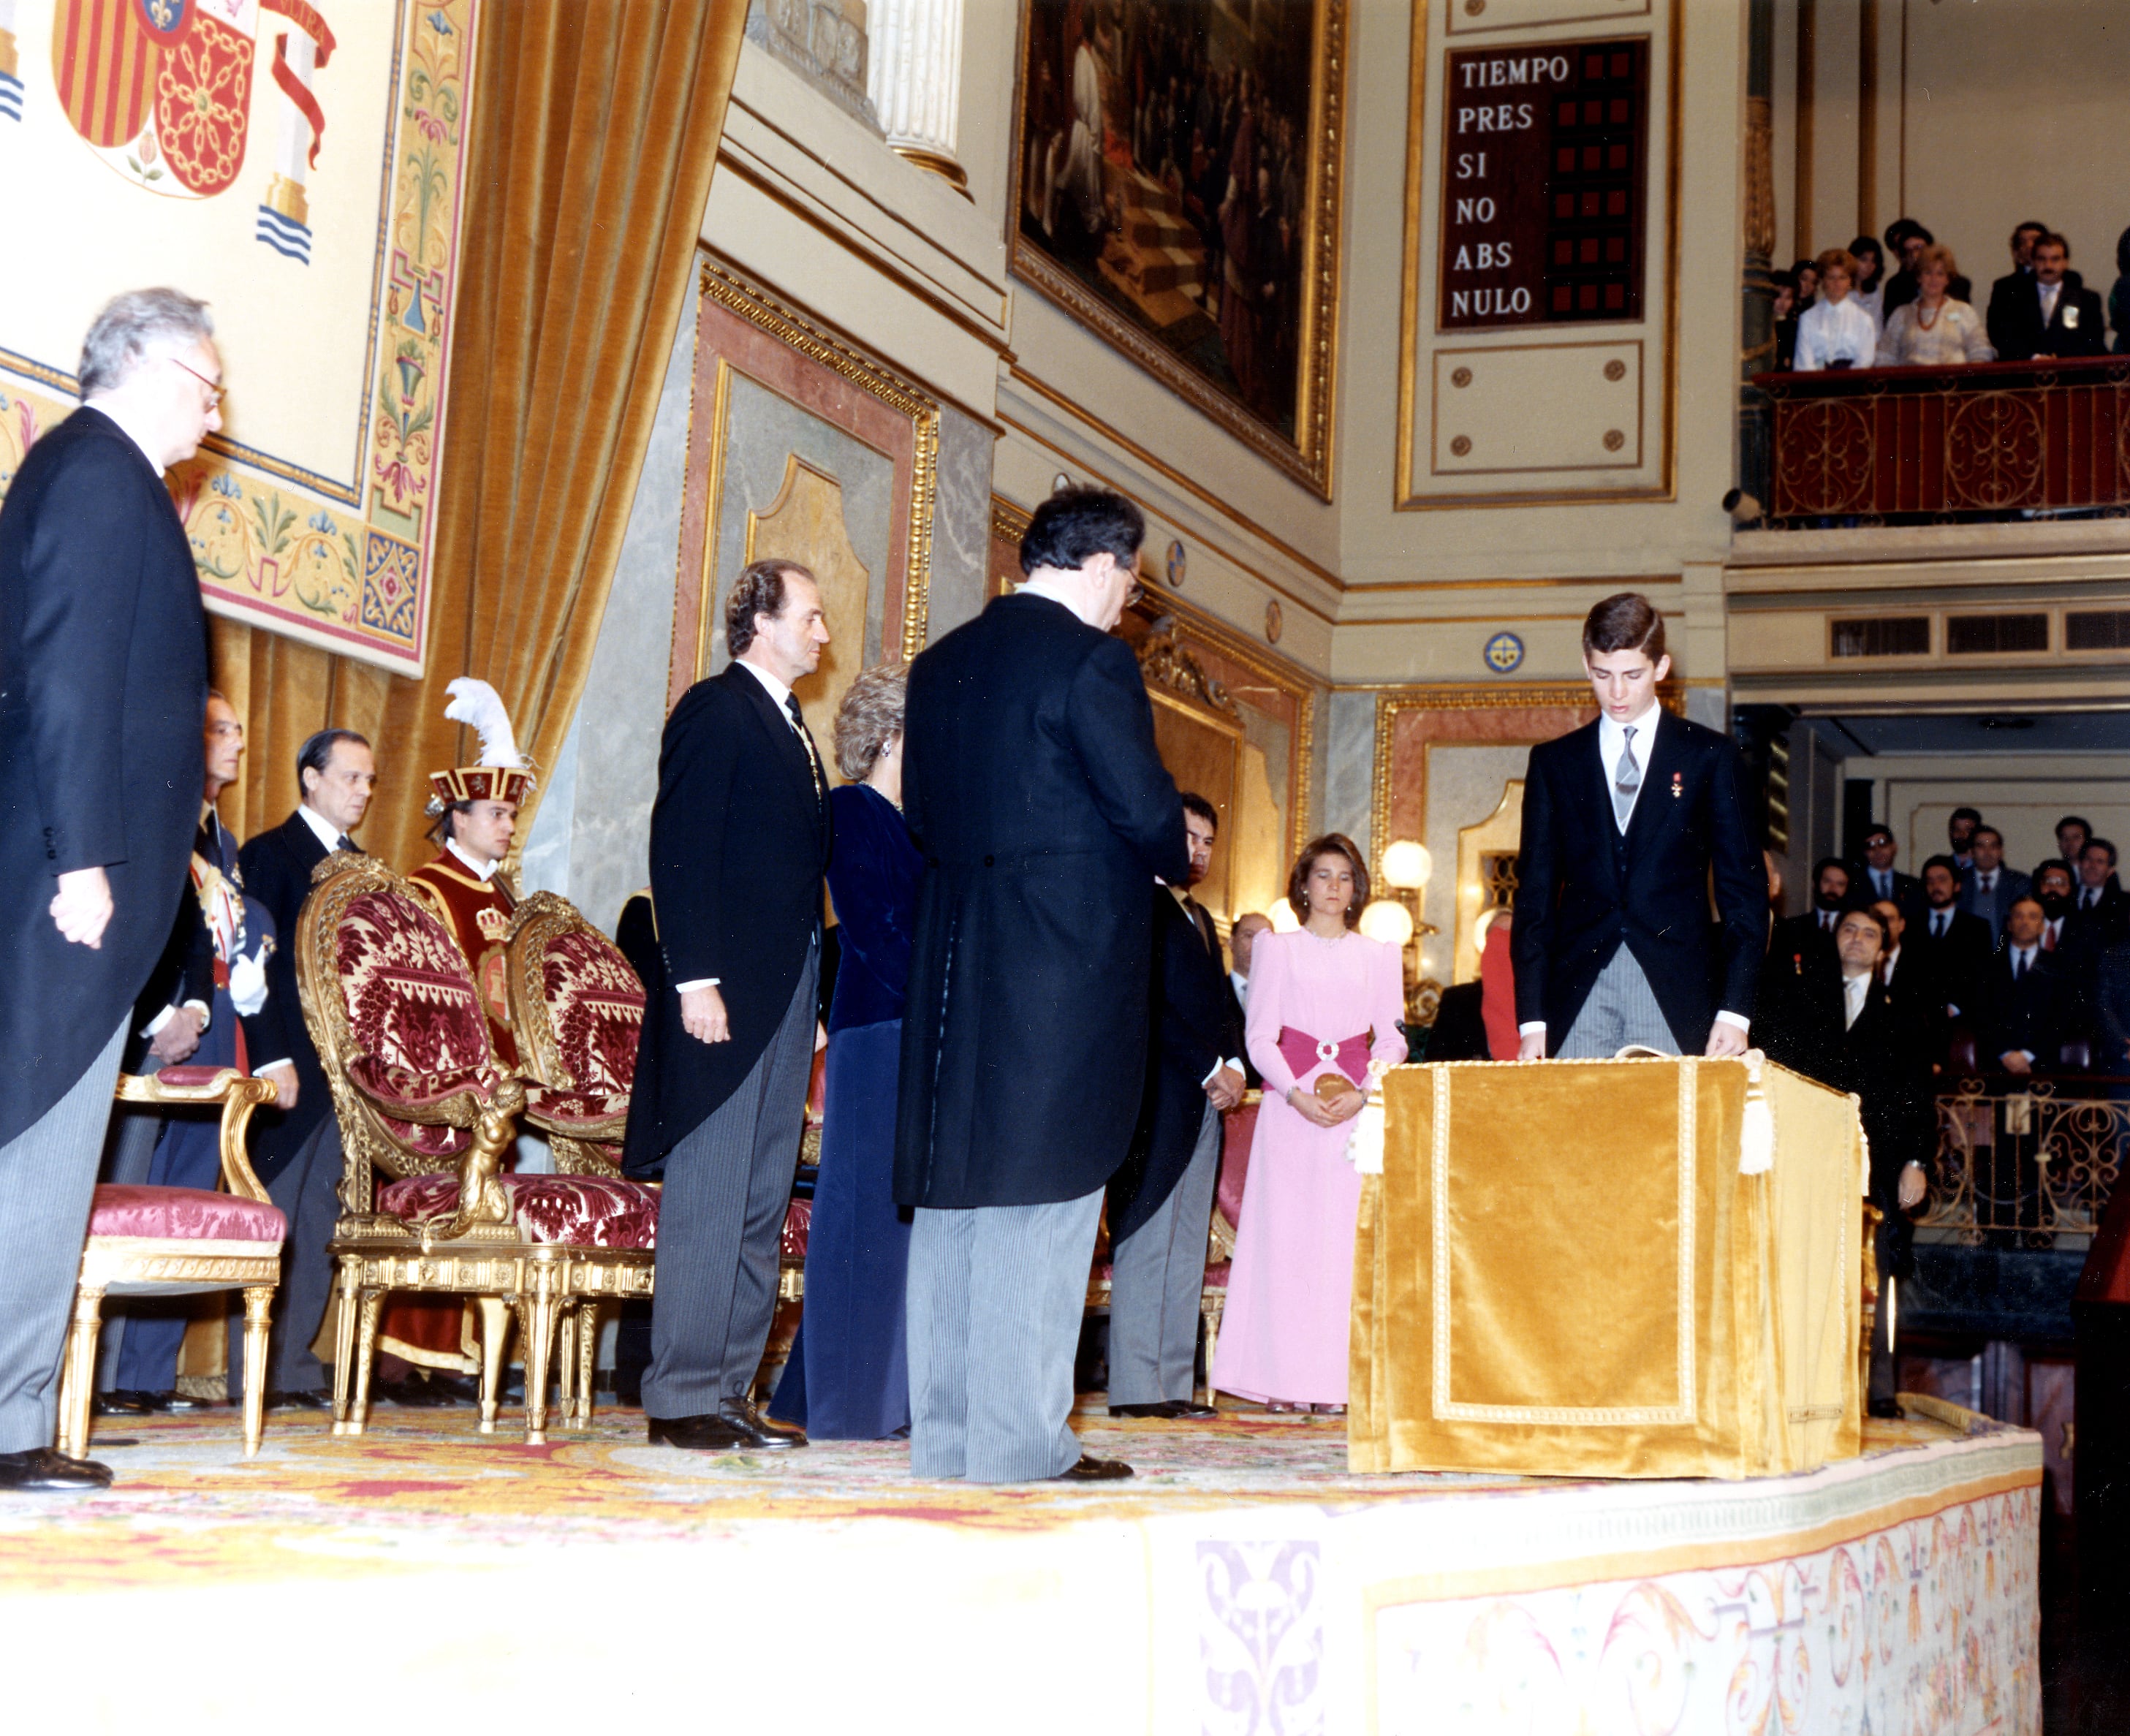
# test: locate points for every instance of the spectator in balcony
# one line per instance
(2053, 887)
(1799, 980)
(1959, 828)
(2028, 998)
(1869, 288)
(1786, 319)
(1836, 331)
(2119, 296)
(1912, 986)
(2072, 831)
(1805, 274)
(1906, 238)
(1883, 881)
(2055, 315)
(1937, 329)
(2102, 911)
(2009, 294)
(1990, 887)
(2111, 1012)
(1955, 944)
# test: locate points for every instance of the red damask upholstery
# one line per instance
(567, 1211)
(410, 1001)
(189, 1078)
(595, 1004)
(564, 1108)
(182, 1213)
(1216, 1275)
(402, 1088)
(1238, 1127)
(798, 1227)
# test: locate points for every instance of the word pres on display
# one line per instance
(1544, 199)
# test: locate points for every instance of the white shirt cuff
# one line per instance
(1536, 1029)
(701, 982)
(269, 1067)
(1236, 1065)
(155, 1026)
(1733, 1018)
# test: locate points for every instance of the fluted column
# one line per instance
(914, 80)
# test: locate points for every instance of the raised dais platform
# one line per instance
(1243, 1582)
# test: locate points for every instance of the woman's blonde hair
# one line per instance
(869, 718)
(1937, 253)
(1837, 259)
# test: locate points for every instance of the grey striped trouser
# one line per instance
(1621, 1010)
(995, 1297)
(47, 1180)
(1158, 1282)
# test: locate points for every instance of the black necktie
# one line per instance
(806, 740)
(2018, 966)
(349, 845)
(1937, 925)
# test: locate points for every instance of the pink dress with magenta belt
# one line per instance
(1312, 1003)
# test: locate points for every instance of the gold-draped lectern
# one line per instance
(1563, 1270)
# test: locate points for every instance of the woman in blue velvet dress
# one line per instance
(848, 1378)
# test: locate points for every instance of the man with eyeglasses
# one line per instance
(103, 695)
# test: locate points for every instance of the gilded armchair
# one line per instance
(178, 1241)
(400, 1029)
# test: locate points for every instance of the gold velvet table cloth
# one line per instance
(1562, 1272)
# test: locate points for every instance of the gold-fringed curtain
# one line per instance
(595, 127)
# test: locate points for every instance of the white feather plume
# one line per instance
(478, 703)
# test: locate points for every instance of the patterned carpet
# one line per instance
(424, 1486)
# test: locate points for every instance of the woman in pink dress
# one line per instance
(1324, 1002)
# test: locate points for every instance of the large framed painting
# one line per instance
(1177, 165)
(301, 165)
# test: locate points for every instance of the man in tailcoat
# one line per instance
(1161, 1202)
(102, 691)
(295, 1145)
(1034, 790)
(739, 855)
(1625, 822)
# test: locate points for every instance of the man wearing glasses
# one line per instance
(102, 692)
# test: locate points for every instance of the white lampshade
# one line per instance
(1387, 921)
(1284, 921)
(1406, 865)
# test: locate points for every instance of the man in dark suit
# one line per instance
(1956, 943)
(2008, 293)
(1803, 967)
(1881, 879)
(2052, 314)
(1989, 888)
(102, 691)
(1161, 1201)
(739, 850)
(295, 1145)
(1624, 822)
(1959, 828)
(2100, 913)
(1035, 791)
(2028, 999)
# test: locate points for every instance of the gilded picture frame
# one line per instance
(1131, 237)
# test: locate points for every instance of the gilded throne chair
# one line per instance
(400, 1026)
(178, 1242)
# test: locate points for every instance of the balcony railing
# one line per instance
(1949, 445)
(2026, 1168)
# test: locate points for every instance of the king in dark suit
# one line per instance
(296, 1146)
(1161, 1201)
(102, 692)
(739, 848)
(1033, 787)
(1625, 822)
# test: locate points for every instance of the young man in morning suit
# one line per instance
(1624, 822)
(1034, 788)
(739, 853)
(1161, 1202)
(295, 1146)
(102, 691)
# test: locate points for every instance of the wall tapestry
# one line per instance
(297, 164)
(1177, 163)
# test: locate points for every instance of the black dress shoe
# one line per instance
(414, 1393)
(1089, 1469)
(122, 1402)
(761, 1433)
(693, 1435)
(41, 1469)
(176, 1403)
(299, 1400)
(1170, 1410)
(1887, 1409)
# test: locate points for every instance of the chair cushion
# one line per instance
(1216, 1275)
(1238, 1127)
(183, 1215)
(190, 1078)
(410, 999)
(567, 1211)
(390, 1085)
(595, 1006)
(798, 1227)
(570, 1108)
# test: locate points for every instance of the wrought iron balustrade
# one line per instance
(1944, 445)
(2026, 1167)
